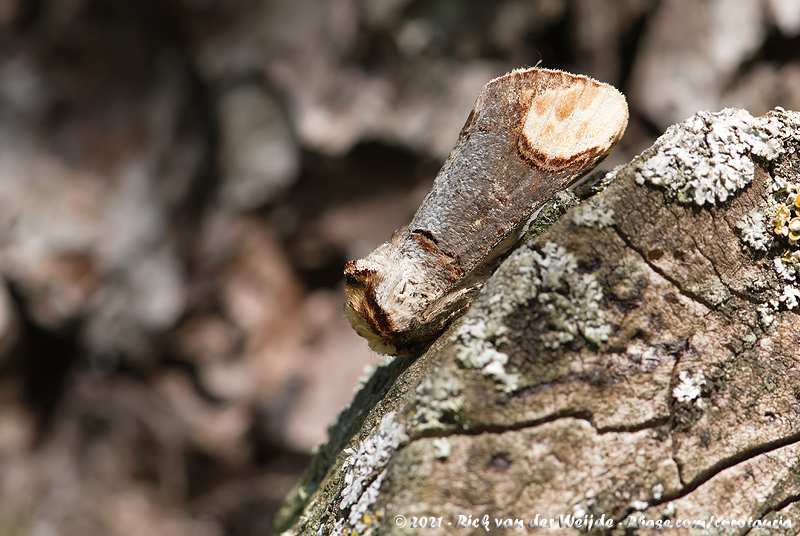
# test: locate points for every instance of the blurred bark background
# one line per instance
(181, 182)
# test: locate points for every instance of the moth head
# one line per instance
(366, 315)
(395, 297)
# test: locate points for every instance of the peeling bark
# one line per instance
(637, 361)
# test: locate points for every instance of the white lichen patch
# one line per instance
(766, 314)
(438, 401)
(496, 369)
(580, 510)
(477, 351)
(658, 491)
(364, 471)
(790, 296)
(569, 302)
(441, 448)
(754, 230)
(571, 299)
(593, 213)
(788, 271)
(707, 158)
(690, 386)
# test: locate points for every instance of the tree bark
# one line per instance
(636, 364)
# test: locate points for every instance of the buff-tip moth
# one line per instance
(531, 133)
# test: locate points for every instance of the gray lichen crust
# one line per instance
(364, 471)
(708, 157)
(636, 362)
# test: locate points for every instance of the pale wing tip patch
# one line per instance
(571, 121)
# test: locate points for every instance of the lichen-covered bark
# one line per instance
(638, 361)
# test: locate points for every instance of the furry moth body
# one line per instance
(531, 133)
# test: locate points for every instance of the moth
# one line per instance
(530, 134)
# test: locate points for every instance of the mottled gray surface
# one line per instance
(638, 359)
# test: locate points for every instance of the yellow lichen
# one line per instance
(780, 219)
(782, 216)
(787, 221)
